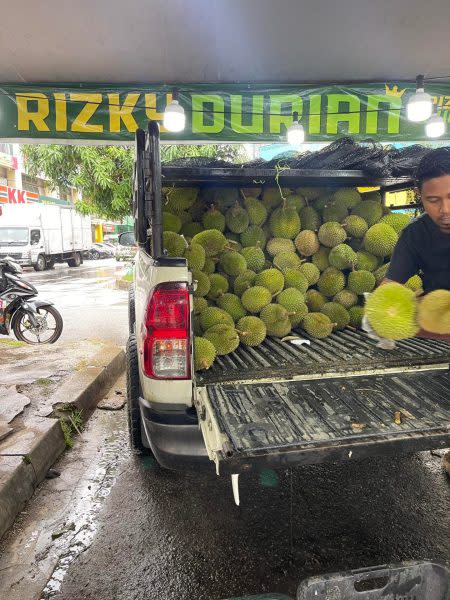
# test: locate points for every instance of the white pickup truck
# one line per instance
(39, 235)
(276, 404)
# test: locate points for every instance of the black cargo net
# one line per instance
(371, 157)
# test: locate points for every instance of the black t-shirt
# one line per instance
(422, 248)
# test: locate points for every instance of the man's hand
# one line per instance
(382, 343)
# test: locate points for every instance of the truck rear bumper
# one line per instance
(174, 438)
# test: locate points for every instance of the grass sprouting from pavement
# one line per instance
(12, 343)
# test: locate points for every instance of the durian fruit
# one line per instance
(380, 273)
(244, 281)
(370, 210)
(284, 223)
(317, 325)
(203, 284)
(272, 279)
(204, 353)
(272, 198)
(253, 236)
(212, 315)
(295, 201)
(287, 260)
(196, 256)
(331, 234)
(414, 283)
(171, 222)
(255, 298)
(197, 209)
(179, 199)
(342, 257)
(337, 314)
(277, 245)
(356, 315)
(291, 298)
(214, 219)
(174, 244)
(199, 305)
(307, 243)
(220, 196)
(251, 330)
(257, 212)
(365, 261)
(434, 312)
(231, 304)
(320, 258)
(210, 266)
(355, 226)
(323, 200)
(361, 281)
(255, 258)
(310, 218)
(397, 221)
(212, 240)
(334, 213)
(276, 320)
(391, 311)
(296, 316)
(346, 197)
(296, 279)
(311, 193)
(237, 219)
(331, 282)
(224, 338)
(185, 217)
(219, 286)
(380, 240)
(233, 263)
(347, 298)
(310, 271)
(314, 300)
(191, 229)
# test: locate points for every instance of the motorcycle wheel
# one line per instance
(22, 326)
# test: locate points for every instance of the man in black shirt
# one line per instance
(424, 245)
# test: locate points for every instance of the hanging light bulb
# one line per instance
(174, 117)
(420, 105)
(435, 126)
(295, 132)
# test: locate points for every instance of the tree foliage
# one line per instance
(103, 174)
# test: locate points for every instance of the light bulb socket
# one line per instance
(295, 116)
(175, 94)
(419, 83)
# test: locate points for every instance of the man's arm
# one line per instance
(404, 262)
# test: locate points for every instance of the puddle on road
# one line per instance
(81, 520)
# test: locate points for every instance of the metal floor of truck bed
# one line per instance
(344, 351)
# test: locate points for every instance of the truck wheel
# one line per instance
(131, 311)
(40, 264)
(75, 261)
(133, 391)
(50, 263)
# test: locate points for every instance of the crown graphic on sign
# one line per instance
(394, 91)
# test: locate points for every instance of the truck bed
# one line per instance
(344, 398)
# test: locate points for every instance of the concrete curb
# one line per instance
(41, 442)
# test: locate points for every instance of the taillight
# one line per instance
(166, 334)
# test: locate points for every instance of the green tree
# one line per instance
(103, 174)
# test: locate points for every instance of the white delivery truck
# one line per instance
(40, 235)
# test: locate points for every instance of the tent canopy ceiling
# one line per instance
(223, 40)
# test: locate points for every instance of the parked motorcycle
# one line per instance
(32, 320)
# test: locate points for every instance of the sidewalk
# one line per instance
(45, 395)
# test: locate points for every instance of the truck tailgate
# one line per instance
(308, 418)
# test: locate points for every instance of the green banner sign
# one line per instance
(214, 113)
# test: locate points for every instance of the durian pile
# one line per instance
(269, 260)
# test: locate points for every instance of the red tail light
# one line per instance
(166, 335)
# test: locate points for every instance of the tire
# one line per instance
(40, 263)
(95, 255)
(133, 391)
(131, 311)
(75, 261)
(50, 263)
(58, 330)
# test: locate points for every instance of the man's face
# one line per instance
(435, 194)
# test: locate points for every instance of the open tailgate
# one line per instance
(308, 419)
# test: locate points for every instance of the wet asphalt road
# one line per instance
(90, 305)
(164, 536)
